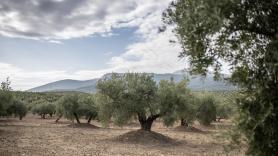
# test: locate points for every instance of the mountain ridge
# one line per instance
(196, 82)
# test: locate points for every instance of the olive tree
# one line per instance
(242, 33)
(18, 109)
(187, 105)
(223, 111)
(207, 110)
(6, 97)
(68, 107)
(88, 108)
(179, 98)
(44, 109)
(168, 100)
(76, 106)
(135, 95)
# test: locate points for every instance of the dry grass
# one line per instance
(36, 137)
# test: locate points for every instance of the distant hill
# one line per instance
(64, 85)
(196, 83)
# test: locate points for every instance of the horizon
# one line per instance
(97, 78)
(83, 40)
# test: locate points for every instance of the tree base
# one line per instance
(145, 137)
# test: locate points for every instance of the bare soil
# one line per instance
(142, 137)
(189, 129)
(43, 137)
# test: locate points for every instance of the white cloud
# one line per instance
(23, 79)
(152, 55)
(52, 21)
(65, 19)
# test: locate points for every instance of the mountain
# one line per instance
(196, 83)
(64, 85)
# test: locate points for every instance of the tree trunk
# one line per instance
(43, 116)
(76, 117)
(146, 124)
(184, 122)
(219, 119)
(90, 118)
(20, 117)
(59, 117)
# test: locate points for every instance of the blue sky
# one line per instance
(48, 40)
(73, 54)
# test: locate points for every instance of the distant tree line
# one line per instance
(9, 105)
(120, 99)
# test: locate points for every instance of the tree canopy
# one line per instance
(244, 34)
(9, 105)
(44, 109)
(6, 97)
(207, 110)
(18, 109)
(74, 106)
(186, 103)
(136, 95)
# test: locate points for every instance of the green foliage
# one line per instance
(6, 85)
(10, 105)
(186, 104)
(18, 109)
(88, 107)
(207, 110)
(258, 119)
(32, 99)
(6, 97)
(168, 99)
(134, 95)
(74, 106)
(243, 33)
(223, 111)
(44, 109)
(225, 102)
(69, 106)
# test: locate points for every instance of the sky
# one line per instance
(42, 41)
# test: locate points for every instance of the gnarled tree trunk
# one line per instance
(76, 117)
(90, 118)
(59, 117)
(146, 124)
(184, 122)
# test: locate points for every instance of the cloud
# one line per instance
(23, 79)
(151, 55)
(54, 20)
(154, 54)
(65, 19)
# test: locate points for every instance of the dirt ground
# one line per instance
(37, 137)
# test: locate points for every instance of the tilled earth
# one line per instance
(37, 137)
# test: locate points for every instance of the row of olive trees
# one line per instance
(8, 104)
(122, 98)
(72, 106)
(125, 97)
